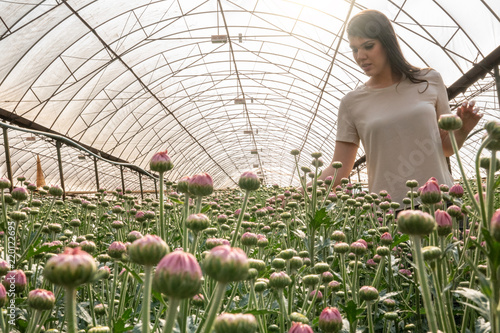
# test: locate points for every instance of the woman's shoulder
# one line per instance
(429, 74)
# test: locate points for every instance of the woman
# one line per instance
(394, 114)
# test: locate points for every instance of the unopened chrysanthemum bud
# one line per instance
(317, 293)
(3, 296)
(201, 185)
(249, 239)
(321, 267)
(386, 239)
(311, 280)
(259, 265)
(98, 329)
(337, 165)
(300, 328)
(88, 246)
(178, 275)
(18, 216)
(148, 250)
(249, 181)
(368, 293)
(4, 267)
(40, 299)
(341, 248)
(391, 316)
(71, 268)
(334, 286)
(296, 317)
(444, 222)
(16, 278)
(358, 248)
(198, 300)
(116, 250)
(133, 236)
(4, 183)
(295, 152)
(454, 211)
(383, 251)
(279, 280)
(161, 162)
(278, 263)
(456, 191)
(19, 194)
(415, 222)
(226, 264)
(450, 122)
(389, 303)
(287, 254)
(330, 320)
(296, 263)
(495, 225)
(55, 191)
(431, 253)
(197, 222)
(430, 192)
(235, 322)
(338, 236)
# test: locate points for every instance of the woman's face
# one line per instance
(370, 55)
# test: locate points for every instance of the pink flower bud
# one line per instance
(201, 185)
(430, 192)
(4, 183)
(40, 299)
(495, 225)
(249, 239)
(249, 181)
(178, 275)
(183, 184)
(237, 322)
(444, 222)
(368, 293)
(4, 267)
(133, 236)
(161, 162)
(456, 191)
(279, 280)
(71, 268)
(19, 194)
(319, 296)
(15, 279)
(454, 211)
(300, 328)
(226, 264)
(197, 222)
(3, 296)
(116, 250)
(148, 250)
(386, 238)
(55, 191)
(358, 248)
(330, 320)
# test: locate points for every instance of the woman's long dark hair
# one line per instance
(373, 24)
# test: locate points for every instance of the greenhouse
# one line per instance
(249, 166)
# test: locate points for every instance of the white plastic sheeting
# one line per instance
(131, 78)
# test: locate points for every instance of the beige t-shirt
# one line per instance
(398, 128)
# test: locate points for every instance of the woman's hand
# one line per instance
(469, 114)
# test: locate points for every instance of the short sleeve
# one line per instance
(442, 105)
(346, 130)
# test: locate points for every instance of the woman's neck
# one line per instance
(384, 80)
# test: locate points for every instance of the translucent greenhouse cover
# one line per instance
(131, 78)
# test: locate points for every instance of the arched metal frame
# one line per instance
(134, 78)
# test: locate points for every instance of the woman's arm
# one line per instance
(470, 117)
(345, 152)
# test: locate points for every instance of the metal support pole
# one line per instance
(140, 185)
(7, 158)
(96, 173)
(497, 81)
(61, 175)
(156, 189)
(359, 178)
(123, 180)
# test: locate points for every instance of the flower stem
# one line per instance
(422, 277)
(220, 290)
(70, 305)
(184, 227)
(370, 317)
(146, 303)
(240, 218)
(173, 304)
(162, 207)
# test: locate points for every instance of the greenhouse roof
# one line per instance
(224, 86)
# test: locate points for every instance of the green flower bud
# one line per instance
(368, 293)
(178, 275)
(71, 268)
(230, 323)
(279, 280)
(414, 222)
(226, 264)
(321, 267)
(310, 280)
(148, 250)
(391, 315)
(450, 122)
(431, 253)
(197, 222)
(40, 299)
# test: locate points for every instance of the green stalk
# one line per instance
(70, 306)
(91, 306)
(184, 227)
(370, 317)
(422, 277)
(111, 297)
(240, 218)
(490, 191)
(220, 290)
(439, 299)
(173, 304)
(378, 275)
(2, 322)
(316, 291)
(198, 204)
(162, 208)
(146, 303)
(283, 312)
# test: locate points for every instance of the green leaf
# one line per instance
(351, 310)
(205, 209)
(45, 248)
(321, 217)
(402, 239)
(156, 294)
(482, 303)
(175, 200)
